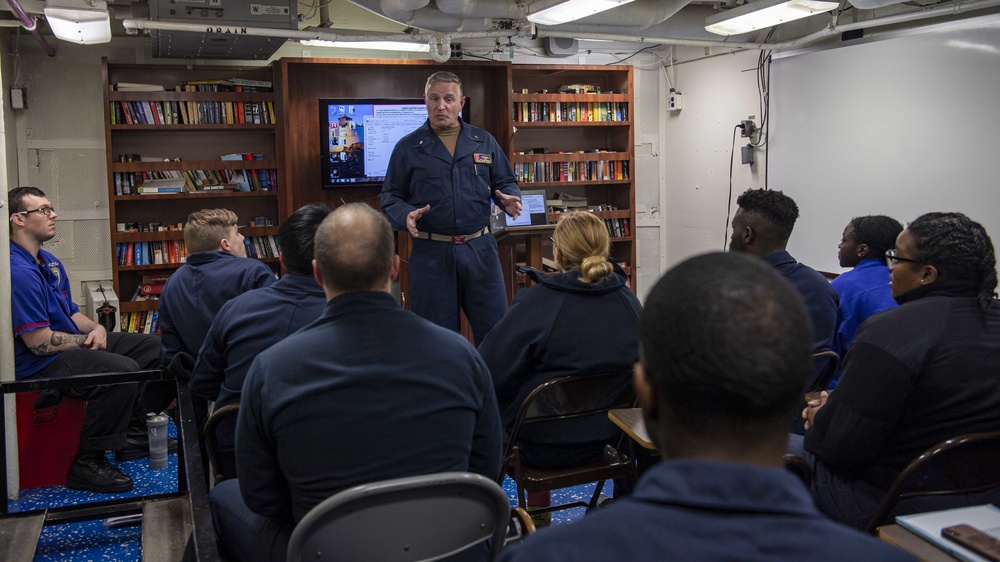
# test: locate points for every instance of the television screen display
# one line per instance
(357, 137)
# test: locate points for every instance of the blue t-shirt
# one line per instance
(40, 298)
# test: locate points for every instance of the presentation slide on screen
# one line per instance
(383, 129)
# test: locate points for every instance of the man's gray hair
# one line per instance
(443, 76)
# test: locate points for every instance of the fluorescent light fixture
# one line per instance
(555, 12)
(374, 45)
(81, 21)
(764, 13)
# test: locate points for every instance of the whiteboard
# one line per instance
(899, 126)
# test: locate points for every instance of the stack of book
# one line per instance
(564, 202)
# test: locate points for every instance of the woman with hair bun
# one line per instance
(915, 375)
(583, 320)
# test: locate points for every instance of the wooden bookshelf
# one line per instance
(580, 144)
(182, 145)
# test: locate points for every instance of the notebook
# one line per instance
(929, 525)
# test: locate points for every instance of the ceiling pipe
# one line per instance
(440, 43)
(31, 25)
(797, 43)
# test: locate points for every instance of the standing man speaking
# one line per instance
(441, 181)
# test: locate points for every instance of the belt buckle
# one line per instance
(458, 239)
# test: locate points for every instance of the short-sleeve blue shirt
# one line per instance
(40, 298)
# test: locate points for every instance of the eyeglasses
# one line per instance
(47, 211)
(553, 240)
(891, 258)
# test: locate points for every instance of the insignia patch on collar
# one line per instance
(482, 158)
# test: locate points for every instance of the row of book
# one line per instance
(150, 252)
(185, 181)
(594, 170)
(216, 85)
(192, 113)
(261, 246)
(618, 228)
(141, 322)
(140, 226)
(570, 111)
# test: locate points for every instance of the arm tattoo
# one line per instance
(58, 339)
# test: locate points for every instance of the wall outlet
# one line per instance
(675, 101)
(17, 98)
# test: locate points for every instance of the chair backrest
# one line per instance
(829, 361)
(426, 517)
(961, 465)
(220, 441)
(573, 397)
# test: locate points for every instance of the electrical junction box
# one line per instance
(675, 101)
(94, 298)
(225, 22)
(746, 154)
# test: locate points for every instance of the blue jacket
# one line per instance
(692, 509)
(247, 325)
(459, 189)
(863, 292)
(562, 326)
(194, 293)
(40, 298)
(367, 392)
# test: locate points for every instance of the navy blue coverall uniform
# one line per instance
(464, 271)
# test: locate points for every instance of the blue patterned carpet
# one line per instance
(92, 541)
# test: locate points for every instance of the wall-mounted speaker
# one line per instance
(561, 46)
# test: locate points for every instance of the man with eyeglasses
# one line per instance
(52, 337)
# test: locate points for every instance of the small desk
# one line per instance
(530, 239)
(630, 420)
(901, 537)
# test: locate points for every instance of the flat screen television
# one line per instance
(357, 137)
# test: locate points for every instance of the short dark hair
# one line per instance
(726, 341)
(354, 248)
(773, 207)
(15, 197)
(878, 232)
(959, 248)
(296, 235)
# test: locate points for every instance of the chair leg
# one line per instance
(597, 495)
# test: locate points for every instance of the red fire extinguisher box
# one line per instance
(47, 440)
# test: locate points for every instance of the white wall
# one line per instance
(718, 92)
(900, 126)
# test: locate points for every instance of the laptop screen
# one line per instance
(532, 209)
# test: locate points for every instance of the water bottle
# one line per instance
(156, 424)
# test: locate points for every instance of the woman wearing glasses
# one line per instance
(914, 376)
(583, 320)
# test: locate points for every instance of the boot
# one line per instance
(91, 471)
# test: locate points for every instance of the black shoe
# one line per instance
(91, 471)
(138, 447)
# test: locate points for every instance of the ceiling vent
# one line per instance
(226, 22)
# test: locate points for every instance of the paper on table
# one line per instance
(928, 525)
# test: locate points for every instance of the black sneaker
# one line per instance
(91, 471)
(138, 447)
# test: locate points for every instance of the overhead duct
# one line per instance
(472, 15)
(225, 23)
